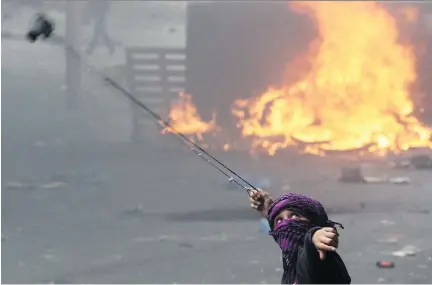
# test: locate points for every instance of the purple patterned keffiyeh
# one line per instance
(303, 205)
(290, 233)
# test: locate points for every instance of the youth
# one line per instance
(307, 238)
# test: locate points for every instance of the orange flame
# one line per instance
(355, 96)
(184, 118)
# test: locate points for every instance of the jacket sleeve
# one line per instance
(308, 262)
(312, 270)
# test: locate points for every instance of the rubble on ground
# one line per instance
(408, 250)
(416, 161)
(355, 175)
(385, 264)
(53, 185)
(421, 162)
(352, 175)
(15, 185)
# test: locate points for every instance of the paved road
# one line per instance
(156, 214)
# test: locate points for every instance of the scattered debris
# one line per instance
(375, 179)
(355, 175)
(137, 211)
(381, 280)
(18, 186)
(352, 175)
(385, 264)
(408, 250)
(388, 241)
(391, 238)
(417, 161)
(395, 236)
(418, 278)
(53, 185)
(163, 238)
(387, 223)
(400, 180)
(56, 181)
(49, 142)
(186, 245)
(61, 177)
(403, 164)
(421, 162)
(88, 177)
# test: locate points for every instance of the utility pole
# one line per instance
(73, 62)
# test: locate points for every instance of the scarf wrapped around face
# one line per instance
(290, 234)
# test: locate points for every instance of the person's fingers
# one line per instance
(329, 230)
(325, 247)
(335, 243)
(325, 240)
(254, 205)
(254, 201)
(322, 254)
(263, 193)
(255, 195)
(330, 235)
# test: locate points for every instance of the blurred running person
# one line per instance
(98, 12)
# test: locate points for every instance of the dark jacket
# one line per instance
(312, 270)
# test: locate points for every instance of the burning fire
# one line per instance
(184, 118)
(356, 95)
